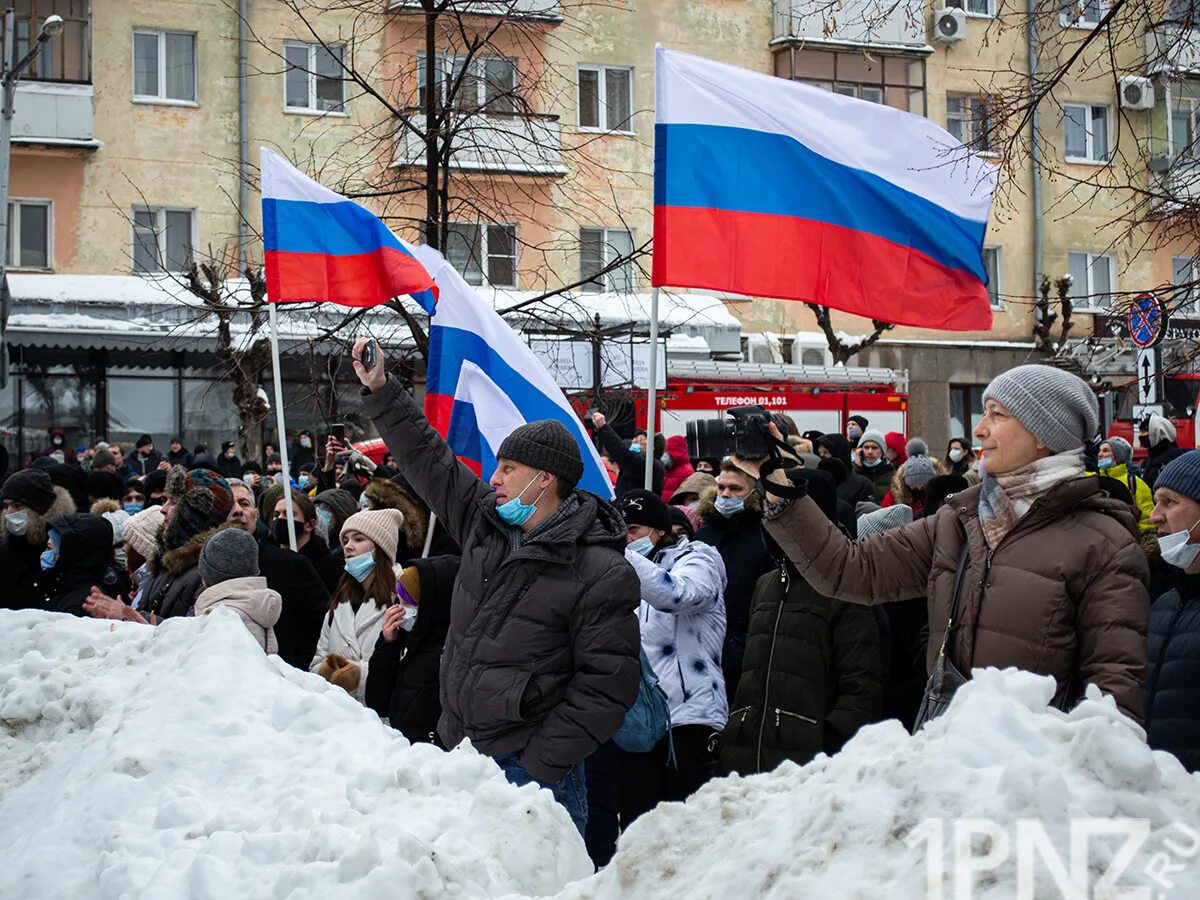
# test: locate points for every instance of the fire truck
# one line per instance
(1180, 391)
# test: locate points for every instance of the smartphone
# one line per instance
(338, 430)
(367, 358)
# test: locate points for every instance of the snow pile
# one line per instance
(852, 826)
(180, 761)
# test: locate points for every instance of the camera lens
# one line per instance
(711, 438)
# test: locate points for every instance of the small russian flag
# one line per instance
(321, 247)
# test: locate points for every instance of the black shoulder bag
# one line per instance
(946, 679)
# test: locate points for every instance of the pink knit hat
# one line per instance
(381, 526)
(141, 530)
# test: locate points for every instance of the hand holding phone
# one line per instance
(368, 355)
(339, 432)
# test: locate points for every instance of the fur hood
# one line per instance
(384, 494)
(100, 507)
(901, 492)
(706, 506)
(181, 559)
(35, 535)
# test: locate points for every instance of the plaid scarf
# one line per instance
(1006, 498)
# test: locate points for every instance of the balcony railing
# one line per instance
(547, 10)
(514, 145)
(865, 23)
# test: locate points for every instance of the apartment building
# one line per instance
(129, 139)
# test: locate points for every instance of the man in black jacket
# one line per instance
(854, 488)
(305, 599)
(1159, 438)
(31, 500)
(632, 461)
(541, 659)
(145, 458)
(309, 544)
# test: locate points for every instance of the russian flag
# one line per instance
(319, 246)
(772, 188)
(483, 380)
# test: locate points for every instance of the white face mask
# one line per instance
(1176, 551)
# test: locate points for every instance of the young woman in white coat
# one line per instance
(366, 589)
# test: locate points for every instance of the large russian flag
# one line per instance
(773, 188)
(319, 246)
(483, 380)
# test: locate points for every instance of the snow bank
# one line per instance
(851, 826)
(180, 761)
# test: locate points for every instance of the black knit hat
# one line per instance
(547, 446)
(102, 485)
(643, 507)
(679, 517)
(144, 441)
(31, 487)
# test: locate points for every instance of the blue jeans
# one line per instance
(571, 792)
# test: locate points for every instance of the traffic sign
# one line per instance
(1149, 376)
(1146, 321)
(1140, 412)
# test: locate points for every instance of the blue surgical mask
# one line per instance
(642, 545)
(872, 463)
(854, 432)
(729, 506)
(1105, 463)
(50, 557)
(134, 508)
(666, 460)
(956, 455)
(514, 512)
(635, 448)
(361, 566)
(1176, 551)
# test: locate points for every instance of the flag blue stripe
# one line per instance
(742, 170)
(333, 229)
(449, 348)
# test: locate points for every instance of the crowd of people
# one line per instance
(778, 609)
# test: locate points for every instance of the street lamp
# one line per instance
(9, 74)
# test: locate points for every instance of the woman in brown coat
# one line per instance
(1054, 581)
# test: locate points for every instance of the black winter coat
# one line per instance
(1172, 691)
(182, 458)
(402, 683)
(143, 466)
(632, 462)
(541, 657)
(1161, 454)
(83, 560)
(229, 468)
(328, 566)
(812, 677)
(739, 540)
(855, 488)
(305, 602)
(20, 555)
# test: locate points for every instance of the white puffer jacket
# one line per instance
(351, 635)
(250, 598)
(683, 628)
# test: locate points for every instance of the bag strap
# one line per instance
(964, 558)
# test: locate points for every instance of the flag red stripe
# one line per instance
(363, 279)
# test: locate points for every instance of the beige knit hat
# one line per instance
(141, 530)
(382, 526)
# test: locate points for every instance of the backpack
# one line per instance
(650, 716)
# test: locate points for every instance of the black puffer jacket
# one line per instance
(1161, 454)
(1173, 661)
(402, 684)
(541, 657)
(855, 488)
(83, 560)
(20, 555)
(739, 540)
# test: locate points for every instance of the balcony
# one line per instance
(545, 10)
(856, 23)
(54, 114)
(513, 145)
(1172, 49)
(1178, 183)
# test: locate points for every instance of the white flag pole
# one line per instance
(283, 445)
(429, 535)
(650, 398)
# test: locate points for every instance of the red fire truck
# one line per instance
(1180, 392)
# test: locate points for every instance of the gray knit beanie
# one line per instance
(916, 447)
(873, 437)
(884, 520)
(1121, 450)
(1182, 475)
(918, 471)
(546, 446)
(1058, 408)
(231, 553)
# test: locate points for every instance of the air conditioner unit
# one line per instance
(949, 25)
(1136, 92)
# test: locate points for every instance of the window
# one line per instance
(164, 66)
(1092, 280)
(1186, 12)
(486, 84)
(975, 7)
(991, 265)
(967, 119)
(1082, 13)
(162, 239)
(1184, 126)
(599, 248)
(966, 409)
(312, 79)
(605, 98)
(477, 251)
(1185, 277)
(68, 56)
(897, 81)
(29, 234)
(1086, 133)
